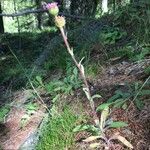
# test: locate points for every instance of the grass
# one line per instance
(93, 69)
(57, 134)
(26, 51)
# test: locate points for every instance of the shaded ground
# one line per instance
(137, 132)
(115, 77)
(105, 83)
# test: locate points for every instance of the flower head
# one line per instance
(52, 8)
(51, 5)
(60, 21)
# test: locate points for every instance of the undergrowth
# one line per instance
(57, 134)
(115, 39)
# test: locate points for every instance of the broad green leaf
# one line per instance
(94, 145)
(96, 96)
(91, 138)
(118, 103)
(118, 124)
(113, 98)
(124, 141)
(103, 106)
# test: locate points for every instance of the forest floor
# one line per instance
(112, 76)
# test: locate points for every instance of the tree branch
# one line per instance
(26, 12)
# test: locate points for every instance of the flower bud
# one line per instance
(60, 21)
(52, 8)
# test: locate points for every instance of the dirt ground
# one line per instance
(112, 77)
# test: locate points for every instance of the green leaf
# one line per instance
(126, 95)
(85, 127)
(118, 103)
(39, 79)
(103, 106)
(139, 104)
(81, 128)
(144, 92)
(118, 124)
(113, 98)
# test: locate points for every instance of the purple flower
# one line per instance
(52, 8)
(50, 5)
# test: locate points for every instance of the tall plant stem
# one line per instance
(70, 51)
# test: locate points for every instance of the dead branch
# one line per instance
(26, 12)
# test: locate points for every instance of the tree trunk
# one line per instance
(39, 15)
(1, 21)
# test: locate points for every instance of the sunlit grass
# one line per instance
(57, 134)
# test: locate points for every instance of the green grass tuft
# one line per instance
(57, 134)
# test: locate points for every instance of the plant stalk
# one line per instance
(70, 51)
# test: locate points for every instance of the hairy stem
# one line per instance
(70, 51)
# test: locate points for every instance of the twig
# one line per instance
(26, 12)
